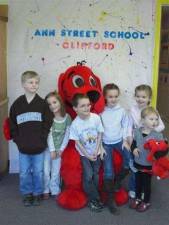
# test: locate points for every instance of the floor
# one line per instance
(12, 211)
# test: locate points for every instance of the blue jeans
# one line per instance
(51, 174)
(108, 160)
(31, 173)
(132, 181)
(91, 177)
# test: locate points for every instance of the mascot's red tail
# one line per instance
(6, 129)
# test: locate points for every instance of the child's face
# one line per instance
(54, 104)
(83, 107)
(142, 99)
(151, 121)
(31, 85)
(112, 97)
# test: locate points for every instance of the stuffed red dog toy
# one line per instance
(158, 156)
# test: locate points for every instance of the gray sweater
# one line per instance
(140, 141)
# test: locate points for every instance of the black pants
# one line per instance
(143, 185)
(91, 177)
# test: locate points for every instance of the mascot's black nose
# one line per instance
(93, 96)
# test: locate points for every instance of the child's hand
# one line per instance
(53, 155)
(126, 145)
(59, 153)
(95, 154)
(136, 152)
(92, 158)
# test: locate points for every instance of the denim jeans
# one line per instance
(31, 173)
(132, 182)
(51, 174)
(91, 177)
(108, 159)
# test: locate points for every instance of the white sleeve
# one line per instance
(99, 125)
(161, 126)
(130, 126)
(65, 139)
(50, 142)
(73, 133)
(125, 125)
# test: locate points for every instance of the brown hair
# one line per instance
(149, 110)
(28, 75)
(110, 86)
(57, 96)
(144, 87)
(77, 97)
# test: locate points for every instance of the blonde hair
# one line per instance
(144, 87)
(57, 96)
(147, 111)
(28, 75)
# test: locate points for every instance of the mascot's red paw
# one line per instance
(72, 196)
(72, 199)
(121, 197)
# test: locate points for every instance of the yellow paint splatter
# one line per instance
(138, 20)
(30, 22)
(103, 15)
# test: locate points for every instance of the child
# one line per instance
(87, 130)
(115, 123)
(143, 94)
(57, 141)
(30, 121)
(150, 120)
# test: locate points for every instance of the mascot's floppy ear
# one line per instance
(98, 81)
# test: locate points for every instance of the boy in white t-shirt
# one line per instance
(87, 131)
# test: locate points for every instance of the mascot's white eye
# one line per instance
(92, 81)
(77, 81)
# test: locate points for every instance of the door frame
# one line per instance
(157, 45)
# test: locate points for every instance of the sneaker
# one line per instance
(143, 207)
(113, 209)
(94, 207)
(98, 203)
(28, 200)
(45, 196)
(134, 203)
(36, 200)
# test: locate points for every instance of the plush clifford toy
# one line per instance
(80, 79)
(158, 151)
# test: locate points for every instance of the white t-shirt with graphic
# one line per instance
(86, 131)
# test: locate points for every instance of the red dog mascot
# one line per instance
(158, 151)
(80, 79)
